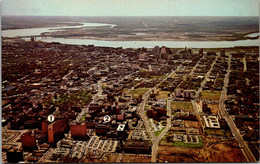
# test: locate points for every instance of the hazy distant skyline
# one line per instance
(131, 7)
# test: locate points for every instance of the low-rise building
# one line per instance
(211, 122)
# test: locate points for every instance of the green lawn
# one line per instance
(188, 145)
(83, 118)
(159, 132)
(147, 107)
(137, 92)
(182, 105)
(210, 95)
(164, 137)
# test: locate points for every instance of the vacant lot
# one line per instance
(191, 124)
(130, 158)
(163, 94)
(218, 132)
(214, 108)
(137, 92)
(187, 106)
(214, 150)
(210, 95)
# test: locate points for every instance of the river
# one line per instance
(38, 31)
(124, 44)
(253, 34)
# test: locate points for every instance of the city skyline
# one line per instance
(131, 8)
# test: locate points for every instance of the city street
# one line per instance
(158, 138)
(245, 149)
(155, 140)
(205, 79)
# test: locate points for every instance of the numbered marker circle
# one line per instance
(50, 118)
(106, 118)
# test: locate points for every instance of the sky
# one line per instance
(131, 7)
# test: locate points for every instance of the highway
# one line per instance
(236, 133)
(167, 128)
(155, 140)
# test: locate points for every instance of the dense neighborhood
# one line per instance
(78, 103)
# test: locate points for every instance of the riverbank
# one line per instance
(96, 34)
(152, 44)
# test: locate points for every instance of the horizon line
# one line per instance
(127, 16)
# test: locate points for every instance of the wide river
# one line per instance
(125, 44)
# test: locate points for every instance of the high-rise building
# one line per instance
(78, 130)
(189, 51)
(201, 51)
(56, 130)
(223, 53)
(164, 56)
(163, 50)
(163, 53)
(32, 39)
(28, 141)
(156, 51)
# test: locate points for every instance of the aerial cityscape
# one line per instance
(129, 88)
